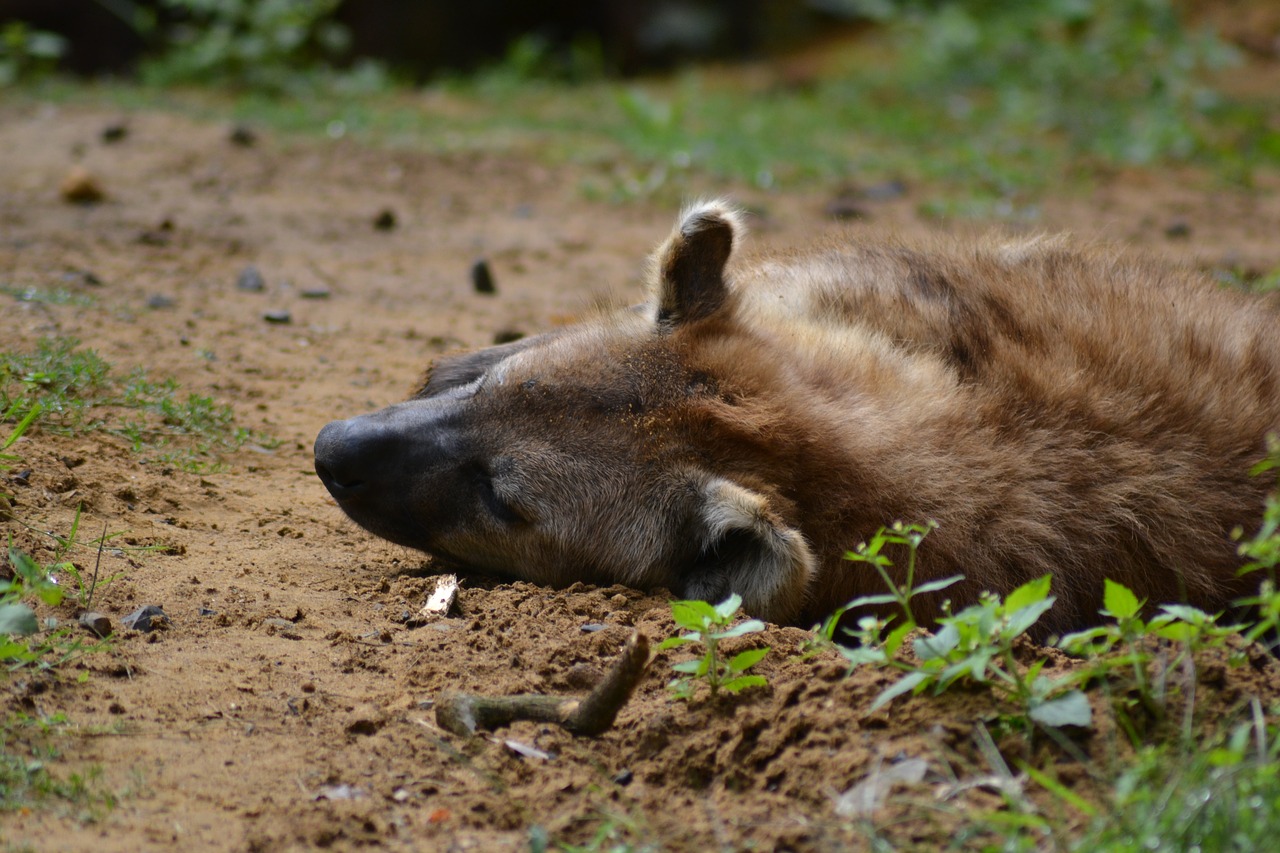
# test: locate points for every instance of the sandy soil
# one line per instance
(288, 706)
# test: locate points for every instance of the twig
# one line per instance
(463, 713)
(93, 585)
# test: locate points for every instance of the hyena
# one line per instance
(1054, 410)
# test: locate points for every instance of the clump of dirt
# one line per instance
(287, 704)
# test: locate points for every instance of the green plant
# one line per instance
(872, 553)
(977, 645)
(276, 46)
(1125, 79)
(710, 626)
(1219, 794)
(26, 53)
(1135, 658)
(54, 645)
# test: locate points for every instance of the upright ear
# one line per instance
(747, 549)
(689, 266)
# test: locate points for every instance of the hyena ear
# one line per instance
(689, 267)
(748, 550)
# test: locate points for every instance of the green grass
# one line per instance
(76, 391)
(27, 749)
(949, 98)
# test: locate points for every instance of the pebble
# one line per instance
(159, 300)
(623, 777)
(385, 220)
(592, 627)
(279, 318)
(96, 623)
(251, 280)
(482, 277)
(146, 619)
(115, 132)
(81, 187)
(242, 135)
(315, 293)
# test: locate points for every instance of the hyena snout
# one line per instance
(387, 466)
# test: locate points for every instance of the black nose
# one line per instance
(342, 450)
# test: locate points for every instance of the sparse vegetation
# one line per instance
(73, 390)
(26, 751)
(1183, 783)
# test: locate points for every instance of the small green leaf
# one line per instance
(869, 600)
(694, 615)
(1023, 618)
(692, 667)
(751, 626)
(733, 685)
(746, 660)
(863, 655)
(728, 607)
(17, 619)
(934, 586)
(672, 642)
(1069, 709)
(1118, 601)
(938, 645)
(1029, 593)
(896, 637)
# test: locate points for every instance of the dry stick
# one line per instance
(463, 713)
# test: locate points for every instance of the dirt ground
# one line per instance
(288, 706)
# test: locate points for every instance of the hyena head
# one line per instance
(620, 450)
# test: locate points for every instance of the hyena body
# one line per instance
(1054, 411)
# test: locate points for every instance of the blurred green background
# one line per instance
(991, 103)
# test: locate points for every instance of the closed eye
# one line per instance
(497, 507)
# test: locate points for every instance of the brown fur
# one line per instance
(1053, 409)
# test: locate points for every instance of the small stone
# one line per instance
(242, 135)
(592, 627)
(251, 280)
(95, 623)
(81, 187)
(315, 293)
(482, 278)
(205, 611)
(281, 628)
(623, 777)
(158, 301)
(114, 132)
(385, 220)
(279, 318)
(1178, 229)
(146, 619)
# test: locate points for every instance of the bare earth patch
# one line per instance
(288, 705)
